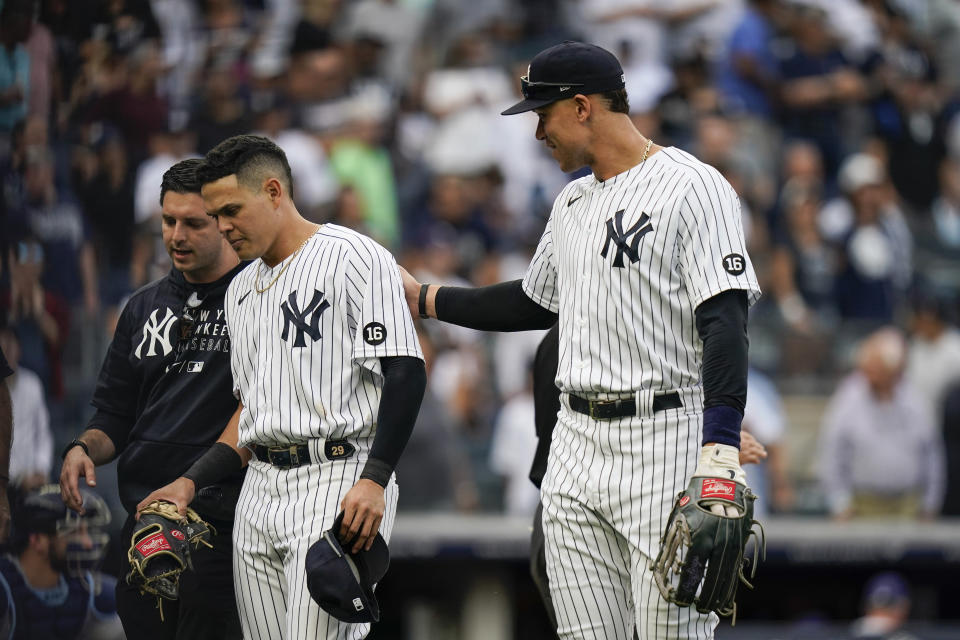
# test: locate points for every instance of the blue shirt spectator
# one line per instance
(15, 23)
(748, 60)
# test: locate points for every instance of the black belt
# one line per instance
(609, 409)
(288, 456)
(285, 457)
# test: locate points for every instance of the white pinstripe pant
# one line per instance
(607, 494)
(279, 515)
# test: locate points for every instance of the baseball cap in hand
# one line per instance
(342, 582)
(563, 71)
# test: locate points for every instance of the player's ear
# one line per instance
(274, 190)
(582, 107)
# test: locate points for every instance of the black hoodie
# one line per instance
(162, 399)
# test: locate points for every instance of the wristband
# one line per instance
(76, 442)
(220, 460)
(378, 471)
(422, 302)
(721, 424)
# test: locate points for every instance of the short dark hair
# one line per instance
(181, 178)
(617, 100)
(251, 158)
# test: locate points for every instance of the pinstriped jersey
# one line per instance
(626, 261)
(306, 351)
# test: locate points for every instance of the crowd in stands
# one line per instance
(835, 120)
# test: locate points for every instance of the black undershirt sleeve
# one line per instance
(404, 381)
(722, 325)
(498, 307)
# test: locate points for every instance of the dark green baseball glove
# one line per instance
(702, 553)
(160, 548)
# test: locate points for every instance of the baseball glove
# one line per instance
(702, 554)
(160, 548)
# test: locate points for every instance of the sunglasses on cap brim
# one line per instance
(535, 90)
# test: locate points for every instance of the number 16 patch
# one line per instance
(374, 333)
(734, 264)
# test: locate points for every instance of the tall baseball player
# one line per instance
(329, 374)
(644, 264)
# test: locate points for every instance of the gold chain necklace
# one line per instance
(256, 285)
(646, 150)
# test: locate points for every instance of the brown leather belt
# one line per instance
(622, 408)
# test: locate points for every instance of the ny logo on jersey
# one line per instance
(293, 315)
(621, 238)
(158, 333)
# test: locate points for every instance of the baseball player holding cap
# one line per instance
(643, 263)
(329, 374)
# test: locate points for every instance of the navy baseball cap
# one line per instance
(563, 71)
(886, 589)
(342, 582)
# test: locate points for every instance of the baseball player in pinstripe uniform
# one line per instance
(329, 374)
(644, 264)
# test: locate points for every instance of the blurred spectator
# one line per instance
(804, 265)
(852, 24)
(747, 75)
(951, 441)
(61, 228)
(512, 447)
(461, 382)
(149, 260)
(391, 25)
(40, 318)
(222, 112)
(635, 32)
(716, 142)
(465, 98)
(124, 24)
(943, 28)
(933, 365)
(451, 214)
(691, 97)
(318, 84)
(135, 106)
(701, 27)
(876, 261)
(817, 83)
(105, 187)
(880, 451)
(16, 18)
(49, 576)
(946, 207)
(911, 118)
(280, 17)
(359, 160)
(31, 455)
(765, 419)
(886, 607)
(228, 34)
(316, 185)
(435, 469)
(43, 60)
(183, 50)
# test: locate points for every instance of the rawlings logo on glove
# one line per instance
(702, 551)
(160, 549)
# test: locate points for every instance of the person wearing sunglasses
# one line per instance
(644, 265)
(164, 395)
